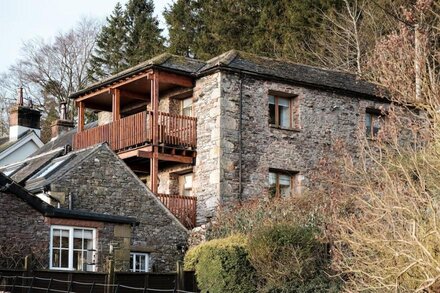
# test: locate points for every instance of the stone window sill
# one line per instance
(284, 128)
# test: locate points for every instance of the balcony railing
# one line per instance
(181, 206)
(136, 130)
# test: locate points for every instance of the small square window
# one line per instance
(283, 112)
(283, 183)
(139, 262)
(373, 123)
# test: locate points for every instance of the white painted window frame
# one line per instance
(71, 229)
(147, 261)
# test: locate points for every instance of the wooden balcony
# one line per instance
(136, 130)
(181, 206)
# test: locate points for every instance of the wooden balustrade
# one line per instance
(134, 130)
(181, 206)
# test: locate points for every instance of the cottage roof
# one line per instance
(6, 144)
(10, 186)
(237, 61)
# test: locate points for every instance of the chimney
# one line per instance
(23, 118)
(62, 125)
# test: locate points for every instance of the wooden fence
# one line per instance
(183, 207)
(16, 281)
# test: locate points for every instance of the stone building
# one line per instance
(69, 189)
(235, 127)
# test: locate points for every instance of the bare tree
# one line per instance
(50, 71)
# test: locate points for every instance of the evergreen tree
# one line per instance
(110, 52)
(181, 27)
(143, 32)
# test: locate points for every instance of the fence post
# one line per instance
(180, 281)
(111, 275)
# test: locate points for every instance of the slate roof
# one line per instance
(170, 62)
(62, 140)
(6, 144)
(257, 66)
(71, 160)
(8, 185)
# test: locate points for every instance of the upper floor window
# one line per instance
(186, 107)
(186, 184)
(373, 123)
(283, 183)
(72, 248)
(139, 262)
(282, 112)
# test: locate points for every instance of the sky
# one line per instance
(22, 20)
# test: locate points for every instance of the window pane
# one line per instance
(131, 262)
(64, 258)
(376, 125)
(56, 258)
(77, 262)
(368, 124)
(77, 243)
(284, 112)
(272, 110)
(285, 188)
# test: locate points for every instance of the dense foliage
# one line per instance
(222, 265)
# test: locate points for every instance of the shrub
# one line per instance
(222, 265)
(290, 258)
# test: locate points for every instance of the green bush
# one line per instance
(222, 265)
(290, 258)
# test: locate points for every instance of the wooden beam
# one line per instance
(115, 84)
(175, 158)
(144, 152)
(135, 96)
(116, 104)
(172, 78)
(154, 162)
(80, 116)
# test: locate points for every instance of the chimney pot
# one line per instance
(20, 96)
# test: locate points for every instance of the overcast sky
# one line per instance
(22, 20)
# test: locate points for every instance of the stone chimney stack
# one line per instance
(62, 125)
(23, 118)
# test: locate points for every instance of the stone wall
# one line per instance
(323, 118)
(206, 181)
(103, 183)
(23, 230)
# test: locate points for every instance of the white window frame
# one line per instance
(71, 249)
(147, 261)
(182, 106)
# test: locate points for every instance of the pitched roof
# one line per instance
(8, 185)
(166, 61)
(237, 61)
(63, 140)
(5, 143)
(289, 71)
(70, 160)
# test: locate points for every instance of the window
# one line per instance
(186, 183)
(281, 112)
(139, 262)
(373, 123)
(283, 183)
(72, 248)
(186, 107)
(51, 167)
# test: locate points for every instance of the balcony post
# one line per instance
(154, 162)
(116, 104)
(80, 106)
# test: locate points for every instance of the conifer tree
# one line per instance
(143, 32)
(181, 27)
(110, 52)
